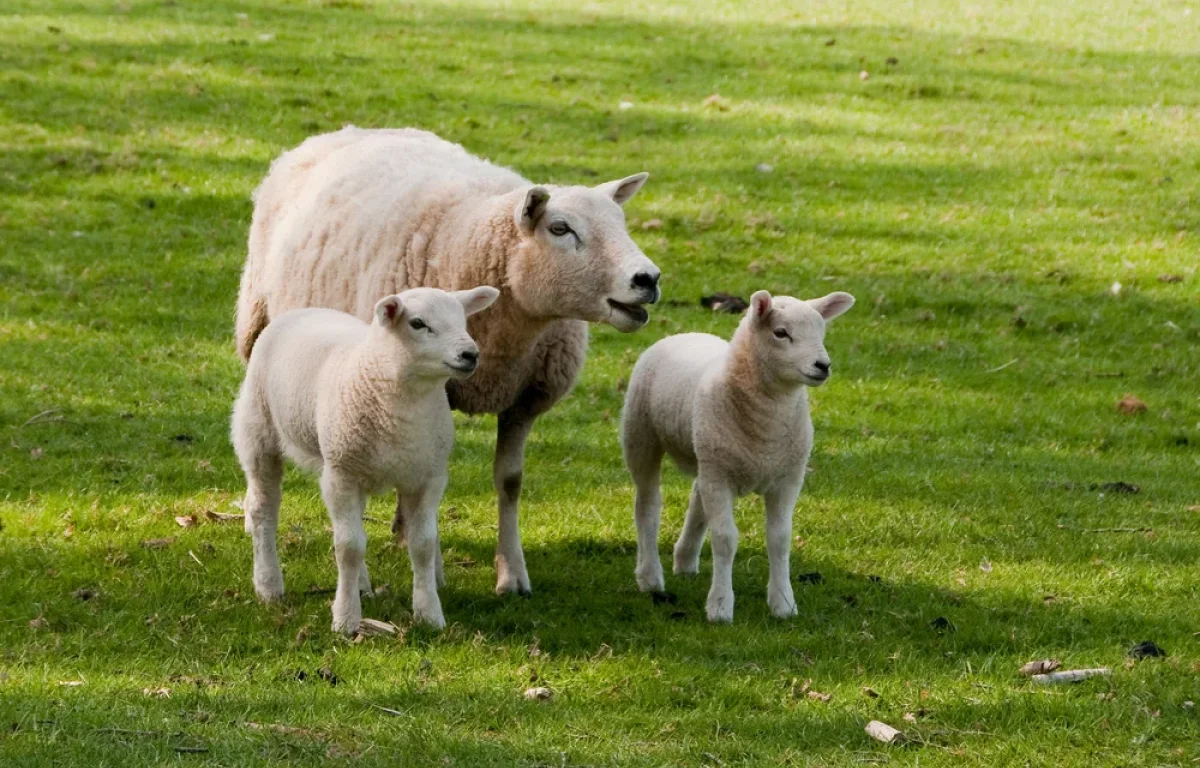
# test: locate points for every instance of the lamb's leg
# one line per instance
(402, 540)
(691, 538)
(421, 524)
(717, 497)
(780, 504)
(346, 502)
(264, 478)
(512, 430)
(257, 448)
(646, 469)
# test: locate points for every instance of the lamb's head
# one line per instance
(576, 259)
(788, 335)
(431, 327)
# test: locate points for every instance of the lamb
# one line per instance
(353, 215)
(364, 407)
(734, 416)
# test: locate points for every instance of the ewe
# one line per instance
(364, 406)
(734, 416)
(349, 216)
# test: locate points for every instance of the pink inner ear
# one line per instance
(391, 309)
(761, 306)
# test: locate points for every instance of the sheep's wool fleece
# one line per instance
(351, 216)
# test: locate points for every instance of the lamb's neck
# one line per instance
(758, 398)
(383, 385)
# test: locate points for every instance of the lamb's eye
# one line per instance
(417, 324)
(559, 228)
(781, 333)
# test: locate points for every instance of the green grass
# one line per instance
(980, 196)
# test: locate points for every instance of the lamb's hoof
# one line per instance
(687, 571)
(347, 626)
(651, 582)
(433, 621)
(720, 610)
(784, 612)
(514, 586)
(269, 593)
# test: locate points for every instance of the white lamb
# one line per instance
(734, 416)
(365, 407)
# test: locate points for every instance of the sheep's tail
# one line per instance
(252, 316)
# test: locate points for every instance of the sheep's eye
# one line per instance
(559, 228)
(781, 333)
(417, 324)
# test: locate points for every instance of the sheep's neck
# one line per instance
(478, 254)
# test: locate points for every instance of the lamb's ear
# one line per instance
(832, 305)
(388, 311)
(623, 190)
(476, 299)
(531, 208)
(760, 305)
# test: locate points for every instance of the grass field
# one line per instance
(980, 191)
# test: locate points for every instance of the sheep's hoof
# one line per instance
(347, 627)
(720, 611)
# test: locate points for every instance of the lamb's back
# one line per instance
(665, 383)
(290, 369)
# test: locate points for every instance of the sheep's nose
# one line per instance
(470, 356)
(822, 366)
(646, 281)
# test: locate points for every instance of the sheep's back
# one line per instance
(355, 212)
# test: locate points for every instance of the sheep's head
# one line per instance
(576, 259)
(431, 326)
(788, 335)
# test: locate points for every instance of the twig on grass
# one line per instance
(45, 417)
(386, 710)
(999, 368)
(1071, 675)
(1108, 530)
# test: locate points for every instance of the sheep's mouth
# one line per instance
(465, 369)
(634, 312)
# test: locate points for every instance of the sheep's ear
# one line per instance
(623, 190)
(388, 311)
(531, 208)
(476, 299)
(832, 305)
(760, 305)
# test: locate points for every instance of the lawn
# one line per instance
(1009, 191)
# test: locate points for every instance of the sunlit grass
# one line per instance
(981, 193)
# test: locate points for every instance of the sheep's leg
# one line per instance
(691, 538)
(717, 498)
(647, 514)
(512, 430)
(346, 502)
(780, 503)
(421, 524)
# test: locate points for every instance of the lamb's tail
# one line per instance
(252, 316)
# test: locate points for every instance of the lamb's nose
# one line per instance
(645, 281)
(471, 356)
(822, 366)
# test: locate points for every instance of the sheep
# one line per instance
(364, 407)
(352, 215)
(733, 415)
